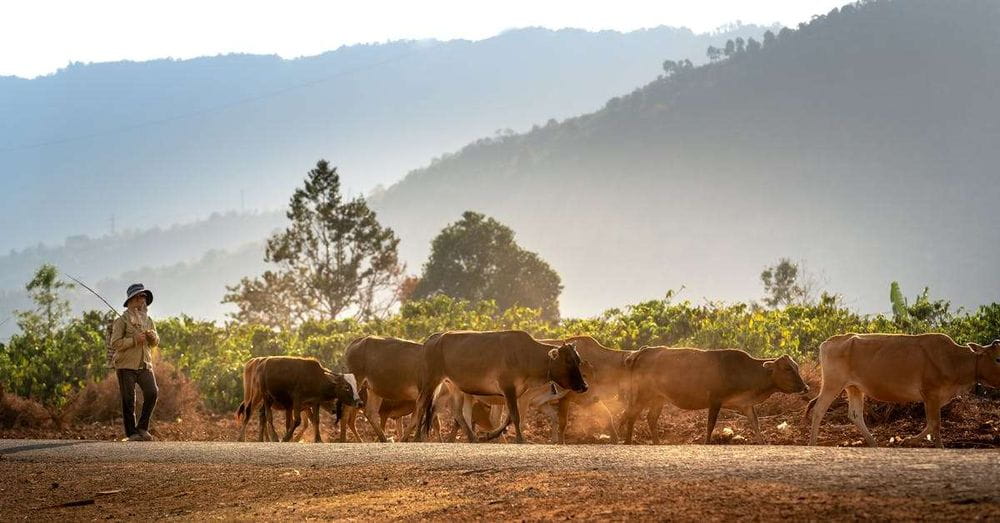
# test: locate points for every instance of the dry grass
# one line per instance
(101, 402)
(17, 412)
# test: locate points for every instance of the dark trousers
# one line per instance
(127, 380)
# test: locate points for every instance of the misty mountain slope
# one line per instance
(93, 259)
(865, 143)
(245, 128)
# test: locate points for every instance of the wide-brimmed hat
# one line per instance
(138, 288)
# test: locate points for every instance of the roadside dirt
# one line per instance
(34, 491)
(969, 422)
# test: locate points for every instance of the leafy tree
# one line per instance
(740, 45)
(924, 315)
(333, 257)
(713, 53)
(476, 258)
(753, 45)
(52, 355)
(730, 49)
(781, 284)
(769, 38)
(52, 309)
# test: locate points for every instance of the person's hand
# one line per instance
(139, 339)
(150, 336)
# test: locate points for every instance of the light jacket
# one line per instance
(128, 354)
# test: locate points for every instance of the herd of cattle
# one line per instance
(469, 380)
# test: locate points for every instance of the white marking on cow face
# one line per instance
(353, 383)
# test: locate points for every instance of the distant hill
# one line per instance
(192, 262)
(166, 141)
(241, 131)
(866, 142)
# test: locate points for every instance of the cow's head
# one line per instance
(785, 373)
(987, 363)
(346, 389)
(564, 368)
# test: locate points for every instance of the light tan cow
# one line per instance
(899, 368)
(495, 363)
(606, 375)
(390, 368)
(545, 398)
(694, 379)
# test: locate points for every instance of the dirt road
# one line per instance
(363, 481)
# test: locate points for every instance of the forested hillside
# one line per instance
(865, 142)
(159, 142)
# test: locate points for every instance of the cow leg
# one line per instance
(382, 423)
(296, 420)
(633, 411)
(450, 438)
(713, 417)
(345, 419)
(315, 421)
(288, 424)
(823, 402)
(305, 425)
(552, 411)
(262, 418)
(856, 411)
(371, 413)
(751, 413)
(267, 428)
(271, 433)
(462, 405)
(932, 411)
(514, 414)
(563, 419)
(501, 427)
(352, 424)
(611, 420)
(653, 420)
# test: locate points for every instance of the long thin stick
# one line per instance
(84, 285)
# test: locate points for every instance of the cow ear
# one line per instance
(554, 354)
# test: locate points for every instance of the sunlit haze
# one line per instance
(119, 30)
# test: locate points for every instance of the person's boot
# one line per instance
(145, 435)
(135, 437)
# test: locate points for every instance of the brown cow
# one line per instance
(695, 379)
(390, 368)
(296, 384)
(606, 375)
(900, 368)
(253, 400)
(495, 363)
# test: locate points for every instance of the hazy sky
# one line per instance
(39, 36)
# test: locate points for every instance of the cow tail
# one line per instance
(433, 366)
(809, 408)
(241, 411)
(630, 362)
